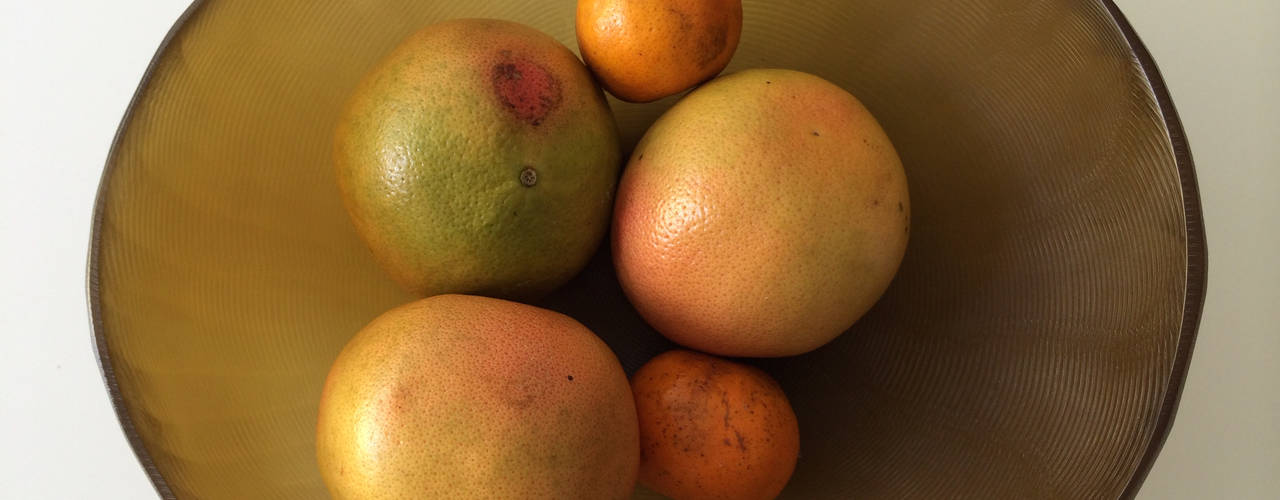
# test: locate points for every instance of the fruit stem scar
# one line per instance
(529, 177)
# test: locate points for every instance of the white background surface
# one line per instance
(69, 67)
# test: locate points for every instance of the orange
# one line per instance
(479, 157)
(713, 429)
(761, 216)
(644, 50)
(469, 397)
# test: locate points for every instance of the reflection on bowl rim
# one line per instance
(1193, 302)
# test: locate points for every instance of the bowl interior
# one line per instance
(1024, 350)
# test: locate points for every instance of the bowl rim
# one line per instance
(1193, 302)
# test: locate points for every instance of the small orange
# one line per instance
(644, 50)
(713, 429)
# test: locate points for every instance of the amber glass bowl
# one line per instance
(1033, 345)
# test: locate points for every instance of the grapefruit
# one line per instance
(760, 216)
(469, 397)
(479, 157)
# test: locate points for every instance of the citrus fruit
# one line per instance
(713, 429)
(762, 215)
(459, 396)
(479, 157)
(644, 50)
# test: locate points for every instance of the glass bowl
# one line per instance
(1033, 345)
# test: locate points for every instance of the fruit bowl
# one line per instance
(1034, 343)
